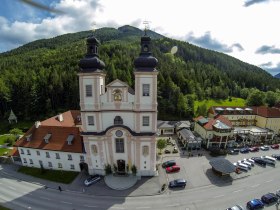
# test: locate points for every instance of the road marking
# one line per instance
(255, 185)
(45, 198)
(218, 196)
(269, 181)
(65, 202)
(236, 191)
(90, 206)
(12, 188)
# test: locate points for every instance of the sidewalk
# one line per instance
(147, 186)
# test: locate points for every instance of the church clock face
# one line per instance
(119, 133)
(145, 48)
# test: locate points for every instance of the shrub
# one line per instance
(108, 169)
(134, 170)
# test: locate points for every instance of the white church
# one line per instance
(116, 125)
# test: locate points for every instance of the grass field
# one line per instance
(211, 102)
(3, 150)
(5, 137)
(65, 177)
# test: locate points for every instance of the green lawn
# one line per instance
(3, 150)
(3, 208)
(226, 102)
(65, 177)
(5, 137)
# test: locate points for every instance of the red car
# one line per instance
(254, 149)
(275, 146)
(171, 169)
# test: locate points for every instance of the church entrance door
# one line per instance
(121, 166)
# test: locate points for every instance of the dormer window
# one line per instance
(28, 137)
(117, 95)
(70, 139)
(47, 138)
(118, 120)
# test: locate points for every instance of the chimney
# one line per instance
(60, 118)
(37, 124)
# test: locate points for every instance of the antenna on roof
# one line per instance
(147, 26)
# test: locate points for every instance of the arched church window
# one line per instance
(117, 95)
(145, 150)
(94, 150)
(118, 120)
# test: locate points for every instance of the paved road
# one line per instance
(21, 195)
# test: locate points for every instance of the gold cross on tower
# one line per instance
(147, 26)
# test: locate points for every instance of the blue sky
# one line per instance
(245, 29)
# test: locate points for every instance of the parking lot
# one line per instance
(197, 170)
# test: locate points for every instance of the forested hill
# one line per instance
(40, 79)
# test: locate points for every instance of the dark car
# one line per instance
(167, 151)
(276, 156)
(169, 163)
(177, 183)
(269, 198)
(93, 179)
(255, 204)
(233, 151)
(254, 149)
(275, 146)
(259, 161)
(268, 161)
(278, 193)
(244, 150)
(236, 207)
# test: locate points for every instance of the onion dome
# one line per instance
(91, 61)
(145, 61)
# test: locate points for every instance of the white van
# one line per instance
(244, 168)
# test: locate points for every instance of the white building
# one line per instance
(116, 125)
(119, 124)
(53, 144)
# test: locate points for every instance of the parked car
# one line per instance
(264, 147)
(239, 163)
(236, 207)
(259, 161)
(269, 158)
(250, 160)
(241, 167)
(244, 150)
(245, 161)
(278, 193)
(269, 198)
(171, 169)
(233, 151)
(175, 150)
(167, 151)
(177, 183)
(255, 204)
(91, 180)
(268, 161)
(275, 146)
(254, 149)
(277, 157)
(169, 163)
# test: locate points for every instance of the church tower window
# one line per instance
(118, 120)
(88, 90)
(146, 89)
(119, 145)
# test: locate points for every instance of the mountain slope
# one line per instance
(40, 78)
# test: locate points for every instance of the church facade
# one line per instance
(117, 125)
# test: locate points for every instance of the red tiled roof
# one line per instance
(211, 122)
(264, 111)
(70, 118)
(59, 132)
